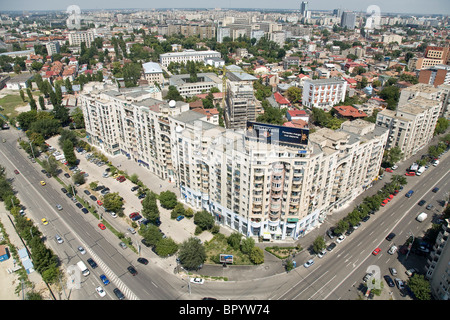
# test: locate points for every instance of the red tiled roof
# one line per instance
(297, 113)
(280, 99)
(296, 124)
(349, 111)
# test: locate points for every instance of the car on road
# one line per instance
(131, 230)
(16, 171)
(388, 170)
(390, 236)
(100, 291)
(422, 202)
(104, 279)
(308, 263)
(142, 260)
(132, 270)
(66, 175)
(81, 249)
(44, 221)
(59, 239)
(119, 294)
(134, 188)
(197, 280)
(376, 251)
(85, 210)
(392, 249)
(340, 238)
(436, 189)
(394, 167)
(429, 207)
(92, 263)
(43, 183)
(389, 281)
(180, 218)
(59, 207)
(101, 226)
(331, 246)
(64, 190)
(87, 192)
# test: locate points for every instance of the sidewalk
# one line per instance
(10, 281)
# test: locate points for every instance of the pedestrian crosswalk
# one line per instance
(113, 278)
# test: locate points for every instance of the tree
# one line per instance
(62, 114)
(131, 74)
(166, 247)
(42, 103)
(150, 208)
(69, 153)
(192, 254)
(319, 244)
(78, 118)
(441, 126)
(22, 95)
(168, 199)
(78, 178)
(113, 202)
(256, 255)
(234, 240)
(247, 245)
(420, 287)
(294, 94)
(204, 220)
(177, 211)
(151, 234)
(173, 94)
(68, 86)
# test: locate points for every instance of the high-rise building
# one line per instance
(77, 37)
(53, 47)
(437, 75)
(304, 8)
(240, 101)
(323, 93)
(348, 20)
(434, 56)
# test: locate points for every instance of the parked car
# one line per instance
(197, 280)
(321, 253)
(389, 281)
(331, 246)
(400, 284)
(123, 245)
(180, 218)
(308, 263)
(340, 238)
(410, 272)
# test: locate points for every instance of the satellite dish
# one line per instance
(172, 103)
(178, 129)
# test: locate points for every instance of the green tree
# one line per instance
(42, 103)
(319, 244)
(168, 199)
(68, 86)
(441, 126)
(150, 208)
(22, 95)
(204, 220)
(166, 247)
(78, 178)
(256, 255)
(151, 234)
(234, 240)
(69, 153)
(78, 118)
(294, 94)
(173, 94)
(247, 245)
(420, 287)
(192, 254)
(113, 202)
(177, 211)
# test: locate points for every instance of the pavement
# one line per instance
(181, 230)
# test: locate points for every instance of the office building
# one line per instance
(153, 73)
(53, 47)
(205, 82)
(433, 56)
(348, 20)
(323, 93)
(240, 101)
(303, 8)
(437, 75)
(187, 55)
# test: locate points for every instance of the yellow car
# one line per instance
(44, 221)
(42, 183)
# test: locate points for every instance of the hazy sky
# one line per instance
(398, 6)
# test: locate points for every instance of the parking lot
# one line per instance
(179, 231)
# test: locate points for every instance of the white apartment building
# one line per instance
(271, 190)
(153, 73)
(53, 47)
(205, 82)
(187, 55)
(77, 37)
(412, 125)
(323, 93)
(132, 122)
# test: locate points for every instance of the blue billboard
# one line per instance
(276, 134)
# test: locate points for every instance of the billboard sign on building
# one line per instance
(226, 258)
(277, 134)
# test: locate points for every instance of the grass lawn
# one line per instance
(218, 245)
(10, 102)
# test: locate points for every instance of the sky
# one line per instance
(391, 6)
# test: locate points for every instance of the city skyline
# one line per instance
(401, 6)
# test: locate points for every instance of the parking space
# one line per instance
(179, 231)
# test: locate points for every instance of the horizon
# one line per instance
(414, 7)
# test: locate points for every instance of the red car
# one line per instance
(388, 170)
(99, 203)
(16, 171)
(395, 192)
(101, 226)
(410, 173)
(134, 214)
(376, 251)
(384, 202)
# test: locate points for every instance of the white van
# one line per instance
(420, 171)
(84, 270)
(421, 217)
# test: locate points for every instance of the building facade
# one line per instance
(323, 93)
(153, 73)
(77, 37)
(187, 55)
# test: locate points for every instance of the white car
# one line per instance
(81, 249)
(340, 238)
(322, 253)
(309, 263)
(394, 167)
(198, 280)
(59, 239)
(100, 291)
